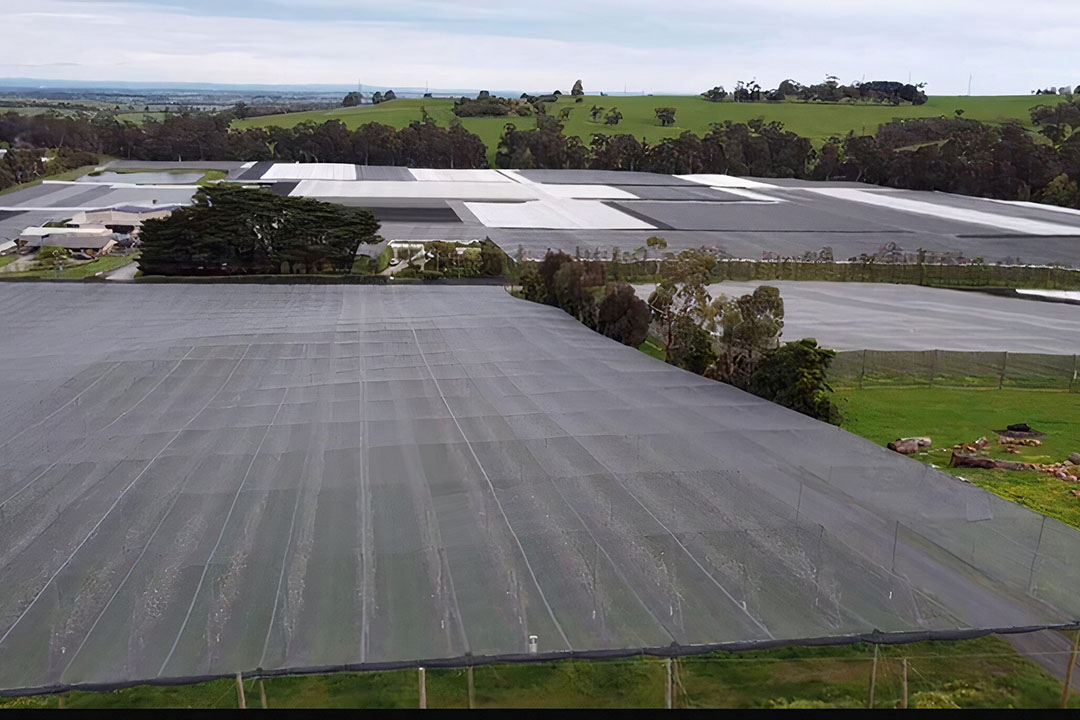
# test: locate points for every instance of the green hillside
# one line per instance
(813, 120)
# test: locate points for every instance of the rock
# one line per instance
(1019, 427)
(978, 461)
(1074, 458)
(904, 446)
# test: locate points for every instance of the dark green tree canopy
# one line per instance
(235, 230)
(795, 376)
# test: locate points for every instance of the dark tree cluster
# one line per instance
(758, 148)
(876, 91)
(961, 156)
(233, 230)
(20, 166)
(487, 105)
(202, 136)
(581, 289)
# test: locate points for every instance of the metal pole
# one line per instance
(472, 687)
(240, 691)
(903, 698)
(873, 677)
(423, 690)
(1069, 670)
(262, 694)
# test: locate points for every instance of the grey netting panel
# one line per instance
(1056, 372)
(204, 479)
(951, 368)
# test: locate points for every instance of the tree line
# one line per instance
(205, 136)
(732, 340)
(877, 91)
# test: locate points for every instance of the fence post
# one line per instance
(873, 677)
(423, 690)
(240, 691)
(903, 686)
(1069, 671)
(262, 694)
(668, 688)
(472, 687)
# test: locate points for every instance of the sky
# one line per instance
(677, 46)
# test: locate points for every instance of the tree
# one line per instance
(231, 229)
(564, 114)
(681, 299)
(622, 315)
(352, 99)
(717, 94)
(613, 117)
(377, 98)
(389, 95)
(750, 327)
(577, 89)
(796, 376)
(666, 116)
(492, 259)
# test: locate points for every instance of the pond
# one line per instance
(145, 178)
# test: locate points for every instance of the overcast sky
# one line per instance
(677, 46)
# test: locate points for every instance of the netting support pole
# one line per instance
(262, 694)
(862, 373)
(903, 686)
(423, 689)
(895, 537)
(873, 677)
(472, 687)
(1004, 365)
(1035, 556)
(240, 691)
(1069, 670)
(933, 366)
(1076, 368)
(669, 688)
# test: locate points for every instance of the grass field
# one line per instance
(957, 415)
(815, 121)
(78, 272)
(981, 673)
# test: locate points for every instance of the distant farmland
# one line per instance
(815, 121)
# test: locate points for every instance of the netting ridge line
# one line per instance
(62, 407)
(71, 452)
(221, 535)
(147, 394)
(491, 486)
(761, 626)
(284, 560)
(599, 545)
(116, 502)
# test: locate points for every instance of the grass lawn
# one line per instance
(85, 270)
(653, 347)
(985, 672)
(958, 415)
(813, 120)
(8, 259)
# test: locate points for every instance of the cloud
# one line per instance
(647, 46)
